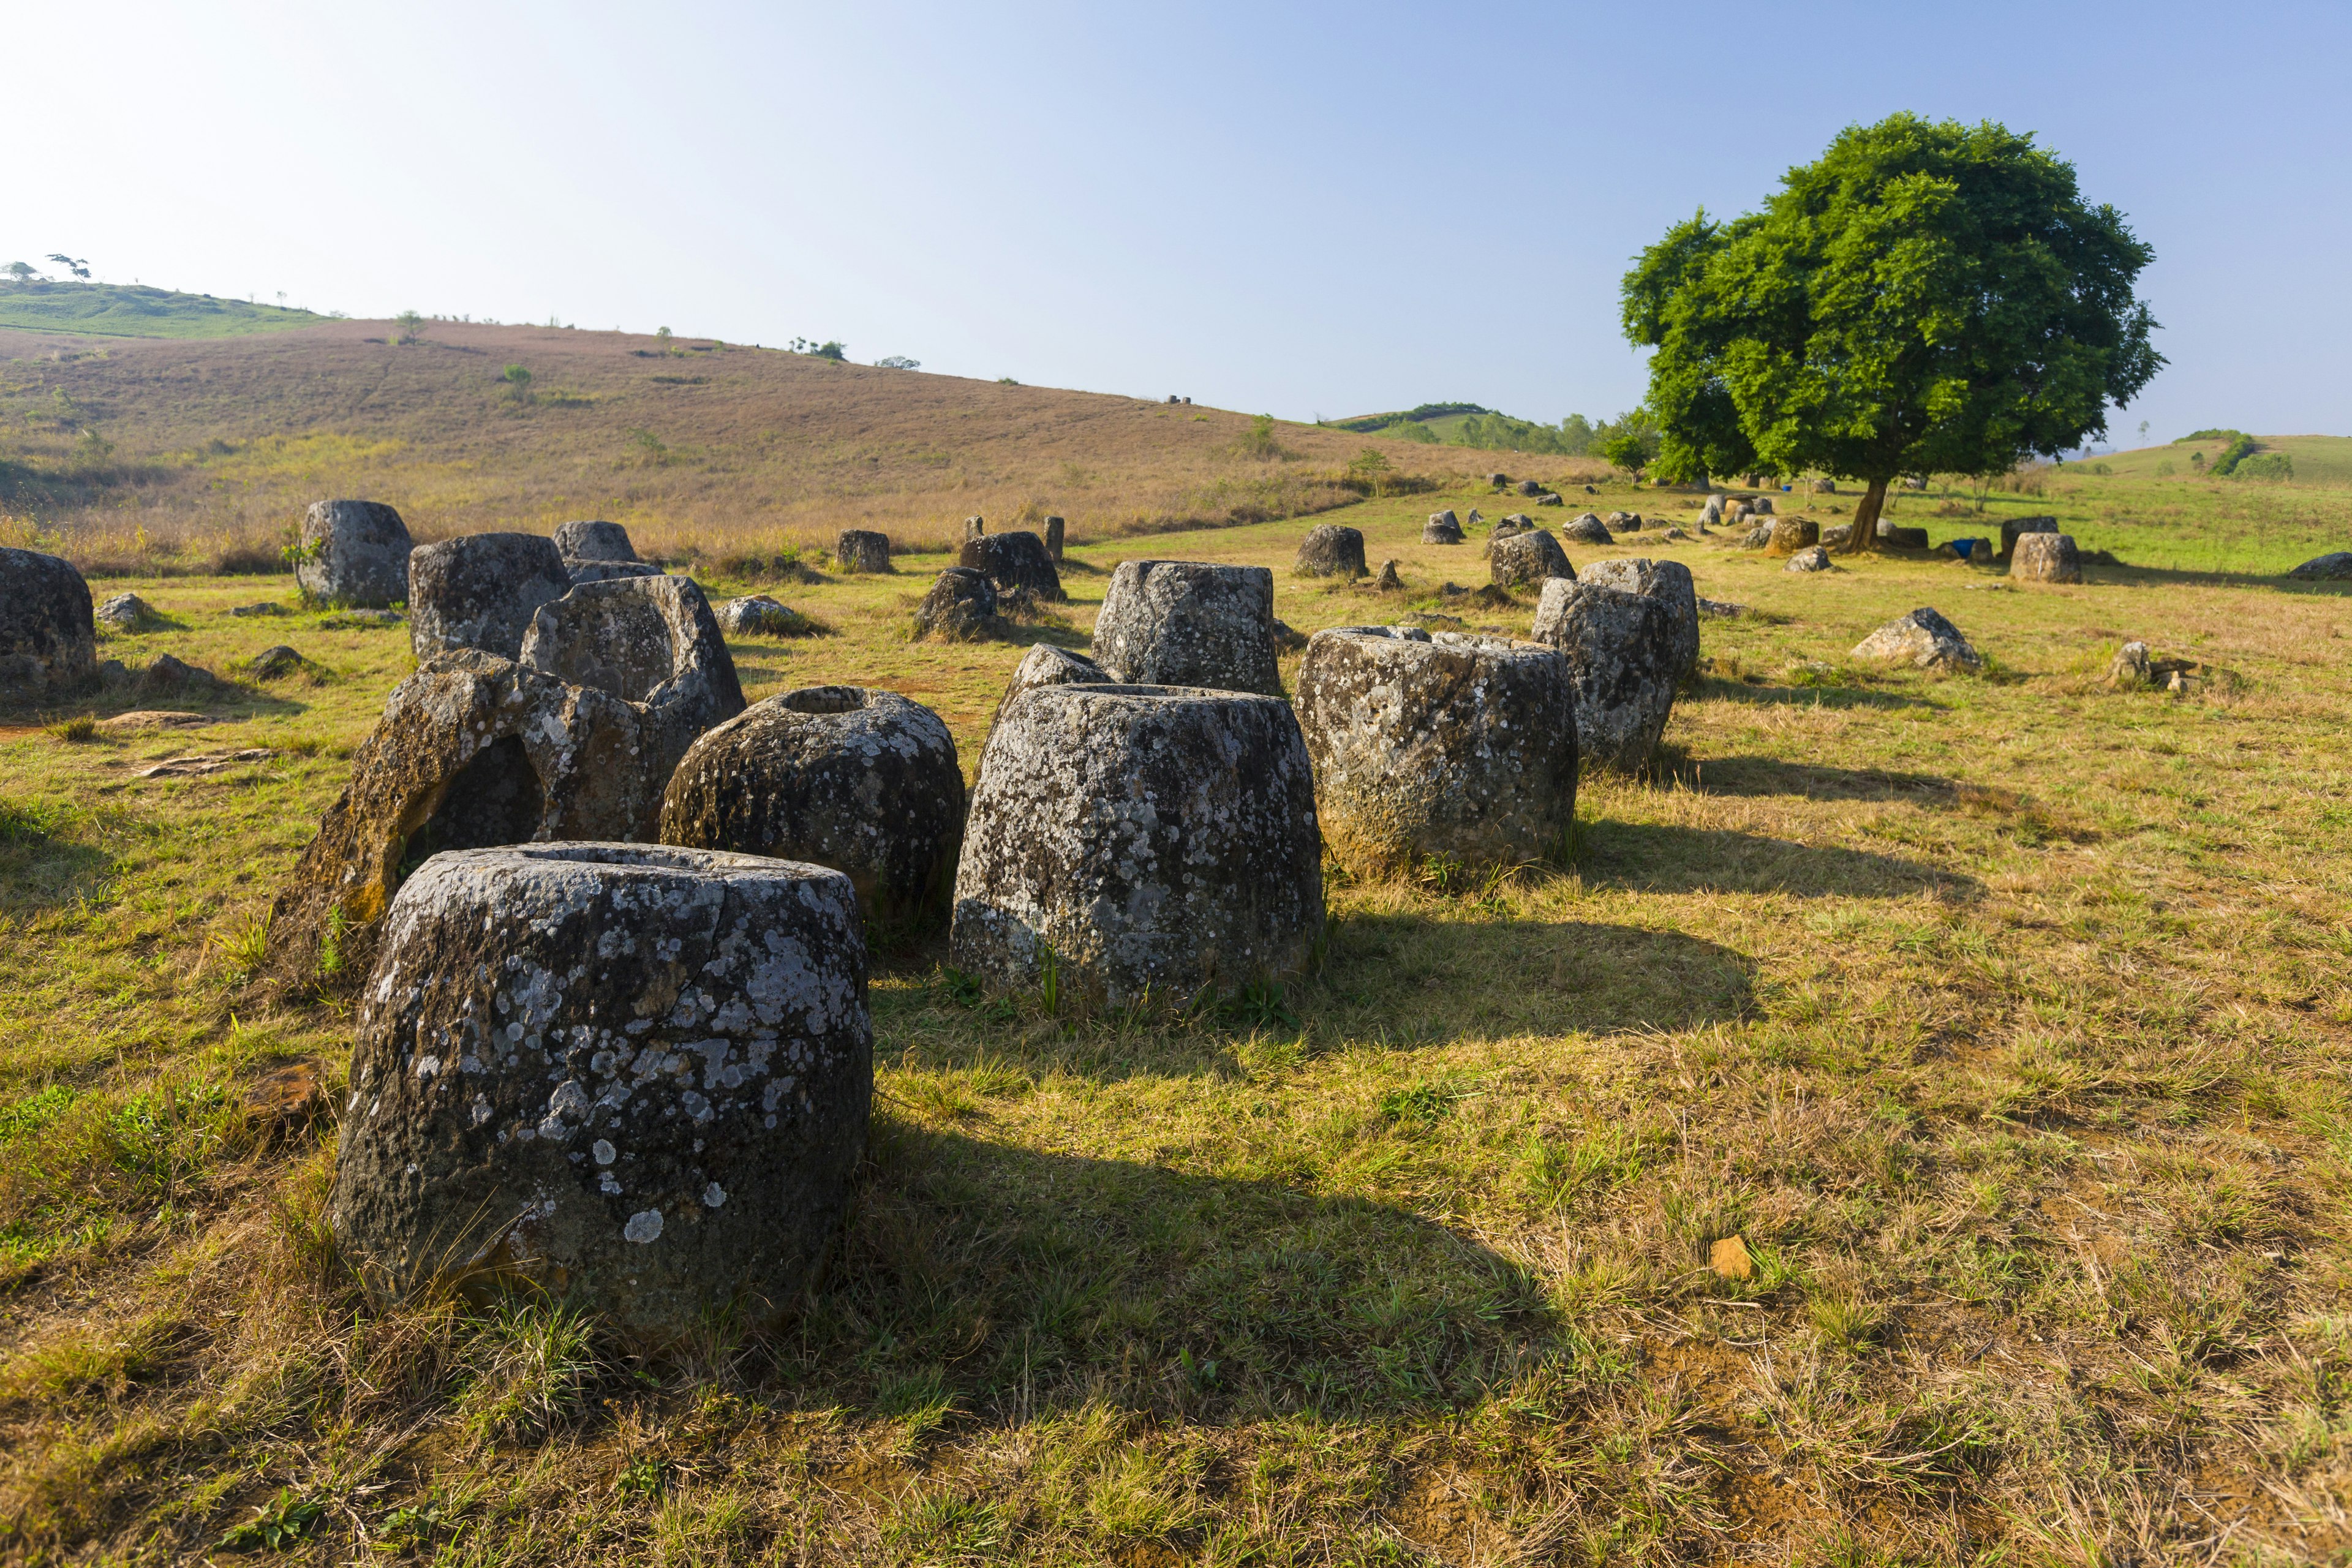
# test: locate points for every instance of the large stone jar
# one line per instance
(480, 590)
(354, 553)
(1526, 560)
(1188, 623)
(1450, 745)
(863, 781)
(1128, 842)
(1669, 582)
(48, 634)
(1014, 562)
(634, 1076)
(1622, 661)
(1331, 549)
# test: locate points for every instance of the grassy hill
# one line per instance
(114, 310)
(2319, 460)
(171, 453)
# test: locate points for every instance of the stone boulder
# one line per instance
(1510, 523)
(1790, 534)
(2045, 558)
(1453, 745)
(1014, 562)
(1390, 580)
(1498, 481)
(1442, 528)
(1330, 551)
(2130, 669)
(1813, 558)
(1055, 529)
(1587, 529)
(865, 782)
(1528, 487)
(1837, 536)
(1474, 518)
(1923, 640)
(48, 634)
(758, 615)
(1826, 486)
(127, 613)
(1668, 582)
(353, 553)
(593, 541)
(579, 572)
(2013, 528)
(1764, 505)
(650, 641)
(1526, 559)
(1045, 664)
(1900, 538)
(279, 662)
(861, 550)
(1622, 658)
(1757, 538)
(1624, 522)
(634, 1076)
(962, 604)
(480, 590)
(472, 751)
(166, 676)
(1549, 498)
(1188, 623)
(1140, 842)
(2334, 566)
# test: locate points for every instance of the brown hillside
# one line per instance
(164, 454)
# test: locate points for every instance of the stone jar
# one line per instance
(1014, 562)
(865, 782)
(353, 553)
(1622, 661)
(1055, 527)
(1526, 559)
(1923, 640)
(1447, 746)
(861, 550)
(1188, 623)
(1442, 528)
(593, 541)
(49, 633)
(1135, 842)
(480, 590)
(1790, 534)
(960, 604)
(2014, 528)
(1669, 582)
(1331, 551)
(634, 1076)
(650, 641)
(2045, 558)
(1045, 664)
(1588, 530)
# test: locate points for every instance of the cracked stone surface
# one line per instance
(1622, 661)
(1445, 744)
(1188, 623)
(861, 550)
(1922, 638)
(1331, 551)
(1669, 582)
(1152, 840)
(637, 1076)
(1526, 559)
(49, 633)
(1013, 561)
(864, 781)
(593, 541)
(2046, 558)
(480, 590)
(650, 641)
(354, 553)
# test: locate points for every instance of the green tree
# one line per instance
(518, 380)
(20, 271)
(1925, 298)
(1627, 452)
(411, 325)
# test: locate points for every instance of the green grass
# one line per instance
(119, 310)
(2324, 460)
(2003, 1018)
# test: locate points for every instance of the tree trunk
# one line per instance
(1866, 519)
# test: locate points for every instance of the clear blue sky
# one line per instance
(1303, 209)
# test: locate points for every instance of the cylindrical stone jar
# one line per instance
(1622, 663)
(633, 1075)
(1188, 623)
(1138, 841)
(861, 550)
(1452, 745)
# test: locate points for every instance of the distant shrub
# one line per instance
(2239, 449)
(2209, 435)
(411, 325)
(897, 362)
(2264, 466)
(1259, 441)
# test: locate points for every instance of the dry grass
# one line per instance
(2004, 1018)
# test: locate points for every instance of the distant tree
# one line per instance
(897, 362)
(78, 268)
(662, 332)
(1371, 465)
(1575, 435)
(518, 380)
(1628, 452)
(838, 354)
(411, 325)
(20, 271)
(1925, 297)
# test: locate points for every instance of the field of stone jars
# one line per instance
(1398, 1035)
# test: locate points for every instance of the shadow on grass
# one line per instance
(1009, 1279)
(41, 867)
(1658, 858)
(1777, 776)
(2181, 576)
(1716, 689)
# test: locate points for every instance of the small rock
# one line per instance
(1476, 517)
(206, 766)
(1674, 533)
(758, 616)
(1548, 499)
(1812, 559)
(1528, 487)
(1331, 551)
(2334, 566)
(861, 550)
(268, 610)
(166, 673)
(1587, 529)
(153, 718)
(1388, 578)
(1922, 638)
(276, 664)
(961, 605)
(1729, 1258)
(126, 613)
(2045, 558)
(1720, 609)
(2130, 669)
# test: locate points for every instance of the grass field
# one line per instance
(2003, 1018)
(115, 310)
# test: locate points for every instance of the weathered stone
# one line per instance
(1498, 480)
(1389, 577)
(2012, 528)
(267, 609)
(473, 750)
(1764, 504)
(354, 553)
(861, 550)
(1674, 533)
(863, 781)
(1442, 528)
(593, 541)
(1826, 486)
(2334, 565)
(1922, 638)
(49, 635)
(480, 590)
(1721, 609)
(1055, 527)
(1330, 551)
(1528, 487)
(634, 1076)
(579, 572)
(758, 616)
(1899, 537)
(1790, 534)
(127, 613)
(2045, 558)
(168, 676)
(1623, 660)
(2130, 669)
(1453, 745)
(276, 663)
(1669, 582)
(1526, 559)
(1188, 623)
(974, 528)
(1757, 538)
(1549, 498)
(1813, 558)
(960, 604)
(1141, 841)
(1587, 529)
(1509, 525)
(1045, 664)
(1475, 518)
(1014, 562)
(1837, 536)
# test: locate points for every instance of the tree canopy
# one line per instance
(1924, 298)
